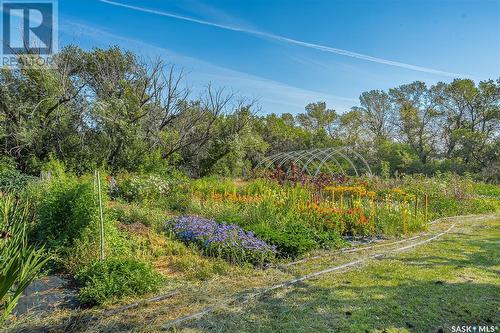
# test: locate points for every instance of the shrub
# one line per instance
(115, 278)
(151, 190)
(56, 226)
(290, 239)
(12, 181)
(68, 222)
(227, 241)
(140, 188)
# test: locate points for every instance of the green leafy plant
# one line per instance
(209, 185)
(19, 262)
(12, 181)
(68, 222)
(115, 278)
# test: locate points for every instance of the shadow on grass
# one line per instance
(415, 292)
(415, 306)
(481, 254)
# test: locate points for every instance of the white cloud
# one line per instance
(274, 96)
(275, 37)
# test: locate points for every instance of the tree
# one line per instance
(39, 111)
(471, 125)
(281, 133)
(318, 118)
(418, 118)
(350, 128)
(377, 113)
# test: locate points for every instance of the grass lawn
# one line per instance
(454, 280)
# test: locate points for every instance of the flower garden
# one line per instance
(161, 230)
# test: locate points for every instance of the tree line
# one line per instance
(109, 108)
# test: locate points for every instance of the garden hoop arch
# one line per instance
(311, 161)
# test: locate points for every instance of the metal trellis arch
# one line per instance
(313, 161)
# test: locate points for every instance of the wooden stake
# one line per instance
(416, 206)
(341, 202)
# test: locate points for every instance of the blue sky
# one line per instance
(287, 53)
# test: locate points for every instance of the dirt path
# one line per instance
(46, 295)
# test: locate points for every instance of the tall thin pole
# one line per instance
(426, 207)
(100, 213)
(95, 187)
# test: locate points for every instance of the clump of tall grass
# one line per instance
(20, 263)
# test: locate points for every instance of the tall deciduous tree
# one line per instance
(419, 117)
(377, 112)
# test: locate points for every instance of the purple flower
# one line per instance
(221, 239)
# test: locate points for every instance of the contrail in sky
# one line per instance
(289, 40)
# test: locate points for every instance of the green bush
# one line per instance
(68, 222)
(55, 225)
(66, 208)
(291, 239)
(114, 278)
(12, 181)
(140, 188)
(151, 190)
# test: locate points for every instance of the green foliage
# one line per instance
(12, 181)
(446, 206)
(151, 190)
(121, 121)
(114, 278)
(448, 194)
(487, 190)
(259, 186)
(57, 224)
(68, 221)
(208, 185)
(136, 213)
(291, 239)
(20, 263)
(141, 188)
(277, 222)
(386, 169)
(279, 214)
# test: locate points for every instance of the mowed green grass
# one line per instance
(454, 280)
